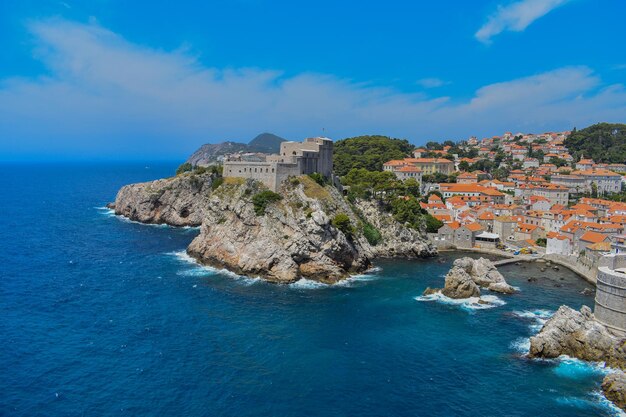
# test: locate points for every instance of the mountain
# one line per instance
(266, 143)
(209, 153)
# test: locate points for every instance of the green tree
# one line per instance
(368, 152)
(464, 166)
(342, 222)
(412, 187)
(407, 211)
(602, 142)
(434, 146)
(432, 224)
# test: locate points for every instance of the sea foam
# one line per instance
(308, 284)
(468, 304)
(536, 318)
(199, 270)
(111, 213)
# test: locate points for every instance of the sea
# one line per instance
(101, 316)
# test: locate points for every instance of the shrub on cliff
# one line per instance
(217, 182)
(263, 199)
(372, 234)
(342, 222)
(186, 167)
(318, 178)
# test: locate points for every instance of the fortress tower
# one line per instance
(295, 158)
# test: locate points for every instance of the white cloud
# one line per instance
(106, 96)
(431, 82)
(516, 17)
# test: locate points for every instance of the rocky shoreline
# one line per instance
(293, 237)
(579, 335)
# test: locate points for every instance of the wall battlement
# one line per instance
(295, 158)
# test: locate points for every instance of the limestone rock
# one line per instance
(483, 273)
(577, 334)
(459, 284)
(614, 388)
(295, 237)
(177, 201)
(430, 291)
(397, 239)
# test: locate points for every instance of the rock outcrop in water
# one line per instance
(614, 388)
(579, 335)
(177, 201)
(466, 277)
(288, 239)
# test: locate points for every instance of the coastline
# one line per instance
(587, 274)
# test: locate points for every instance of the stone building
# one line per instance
(295, 158)
(610, 308)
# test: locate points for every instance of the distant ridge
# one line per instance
(266, 143)
(209, 153)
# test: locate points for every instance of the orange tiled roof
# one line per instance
(593, 237)
(487, 215)
(474, 227)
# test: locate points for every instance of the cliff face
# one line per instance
(290, 238)
(177, 201)
(294, 238)
(397, 240)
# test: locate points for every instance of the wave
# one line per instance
(521, 345)
(111, 213)
(469, 304)
(106, 211)
(308, 284)
(573, 368)
(199, 270)
(606, 404)
(595, 401)
(537, 318)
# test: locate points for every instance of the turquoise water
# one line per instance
(102, 316)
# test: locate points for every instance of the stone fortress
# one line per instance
(295, 158)
(610, 306)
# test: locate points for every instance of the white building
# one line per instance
(558, 244)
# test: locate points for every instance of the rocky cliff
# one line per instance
(295, 235)
(177, 201)
(577, 334)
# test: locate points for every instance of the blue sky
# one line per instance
(106, 79)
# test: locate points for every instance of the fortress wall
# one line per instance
(610, 306)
